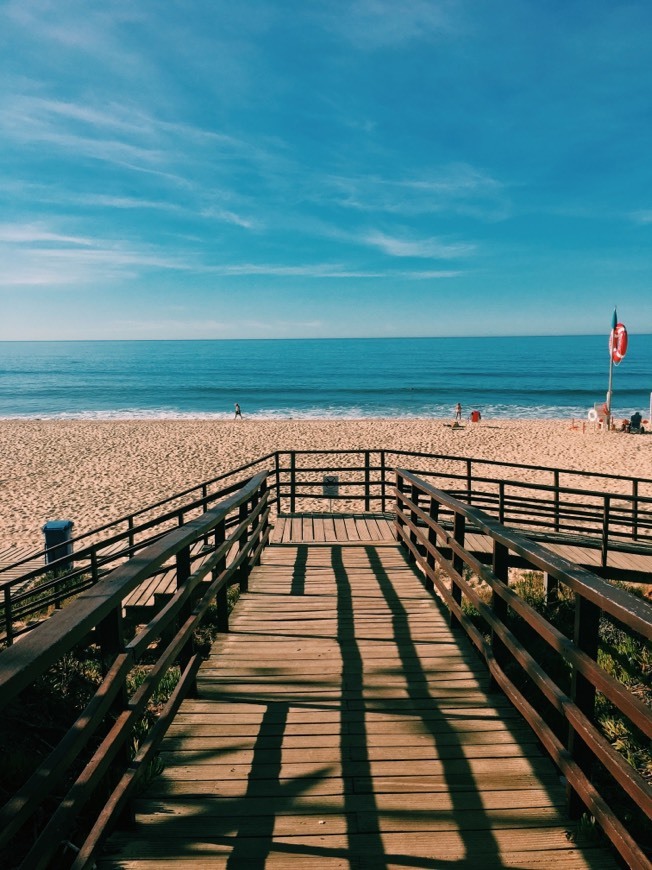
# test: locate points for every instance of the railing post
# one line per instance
(635, 510)
(414, 497)
(9, 628)
(587, 623)
(293, 481)
(550, 589)
(367, 480)
(204, 495)
(222, 597)
(500, 569)
(433, 513)
(243, 571)
(277, 469)
(95, 573)
(183, 573)
(556, 483)
(501, 501)
(110, 638)
(130, 526)
(256, 528)
(382, 482)
(469, 480)
(183, 566)
(459, 531)
(605, 530)
(262, 522)
(399, 509)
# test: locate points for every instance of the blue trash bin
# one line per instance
(58, 544)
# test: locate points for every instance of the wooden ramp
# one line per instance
(341, 723)
(378, 529)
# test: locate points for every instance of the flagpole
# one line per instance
(609, 391)
(611, 369)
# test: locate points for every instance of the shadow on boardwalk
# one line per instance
(340, 724)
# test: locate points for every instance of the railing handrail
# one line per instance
(97, 546)
(435, 549)
(45, 644)
(634, 612)
(345, 452)
(126, 518)
(608, 520)
(475, 460)
(92, 759)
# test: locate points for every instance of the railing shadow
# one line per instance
(241, 829)
(354, 744)
(480, 845)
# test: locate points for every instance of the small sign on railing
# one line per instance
(331, 486)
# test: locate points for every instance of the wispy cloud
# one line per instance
(459, 188)
(28, 234)
(36, 255)
(41, 259)
(429, 248)
(326, 270)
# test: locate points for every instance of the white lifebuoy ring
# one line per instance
(593, 415)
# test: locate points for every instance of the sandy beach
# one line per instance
(93, 472)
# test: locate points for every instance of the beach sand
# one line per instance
(92, 472)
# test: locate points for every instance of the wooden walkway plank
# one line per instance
(342, 723)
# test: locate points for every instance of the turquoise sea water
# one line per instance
(312, 378)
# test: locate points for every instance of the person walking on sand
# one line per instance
(238, 412)
(458, 413)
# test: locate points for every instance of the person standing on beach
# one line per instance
(458, 413)
(238, 412)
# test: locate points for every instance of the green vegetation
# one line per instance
(624, 656)
(34, 723)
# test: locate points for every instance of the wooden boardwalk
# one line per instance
(378, 529)
(341, 723)
(334, 529)
(9, 555)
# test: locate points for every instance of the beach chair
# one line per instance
(636, 426)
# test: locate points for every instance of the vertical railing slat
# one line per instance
(459, 533)
(293, 481)
(433, 513)
(222, 600)
(9, 628)
(606, 519)
(587, 623)
(500, 570)
(243, 572)
(367, 480)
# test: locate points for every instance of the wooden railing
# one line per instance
(438, 549)
(28, 596)
(609, 508)
(604, 511)
(92, 758)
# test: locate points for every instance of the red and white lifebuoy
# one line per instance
(618, 343)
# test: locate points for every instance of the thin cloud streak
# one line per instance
(433, 248)
(459, 189)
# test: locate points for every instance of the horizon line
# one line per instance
(318, 338)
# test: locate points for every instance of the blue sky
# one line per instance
(189, 169)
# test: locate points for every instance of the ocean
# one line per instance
(535, 377)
